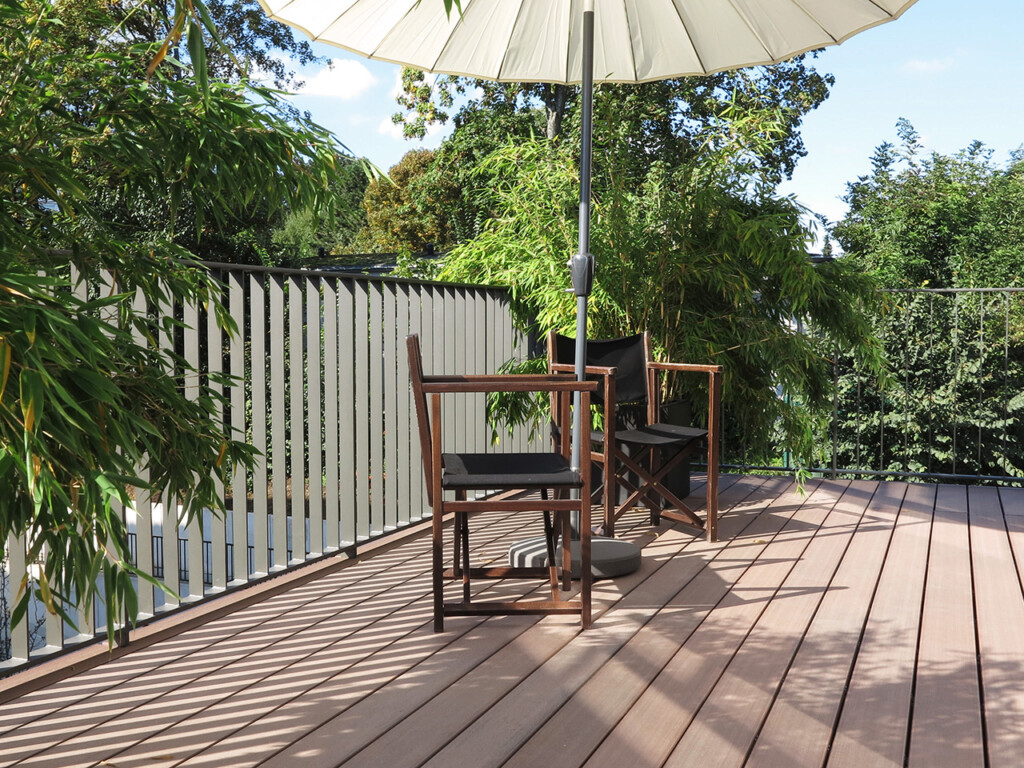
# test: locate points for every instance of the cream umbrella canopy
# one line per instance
(582, 41)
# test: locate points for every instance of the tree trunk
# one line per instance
(555, 97)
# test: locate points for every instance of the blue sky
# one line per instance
(955, 69)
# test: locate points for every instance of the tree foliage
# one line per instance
(939, 221)
(89, 403)
(703, 255)
(924, 220)
(247, 43)
(402, 212)
(667, 122)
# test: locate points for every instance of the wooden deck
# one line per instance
(861, 624)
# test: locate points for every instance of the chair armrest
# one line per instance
(595, 370)
(515, 382)
(686, 367)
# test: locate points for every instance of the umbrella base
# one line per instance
(608, 557)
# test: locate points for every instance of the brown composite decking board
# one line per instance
(636, 656)
(493, 737)
(872, 726)
(239, 625)
(757, 565)
(256, 740)
(946, 726)
(1000, 612)
(192, 659)
(866, 623)
(730, 718)
(798, 730)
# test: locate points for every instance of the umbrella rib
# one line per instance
(802, 6)
(632, 53)
(753, 31)
(511, 32)
(693, 43)
(373, 54)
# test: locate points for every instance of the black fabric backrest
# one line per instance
(625, 354)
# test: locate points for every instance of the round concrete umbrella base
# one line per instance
(608, 557)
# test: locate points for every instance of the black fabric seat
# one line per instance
(657, 434)
(475, 471)
(637, 450)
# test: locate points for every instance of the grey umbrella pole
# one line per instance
(609, 557)
(581, 266)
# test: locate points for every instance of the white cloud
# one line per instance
(928, 66)
(388, 128)
(341, 79)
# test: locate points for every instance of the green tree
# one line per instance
(705, 256)
(249, 44)
(401, 210)
(667, 122)
(937, 221)
(933, 221)
(86, 398)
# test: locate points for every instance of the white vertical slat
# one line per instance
(168, 501)
(444, 356)
(479, 347)
(417, 500)
(143, 501)
(85, 620)
(297, 419)
(512, 442)
(278, 444)
(104, 288)
(258, 374)
(195, 532)
(314, 419)
(351, 339)
(239, 486)
(465, 425)
(215, 366)
(17, 569)
(403, 471)
(391, 516)
(332, 459)
(426, 331)
(375, 425)
(364, 359)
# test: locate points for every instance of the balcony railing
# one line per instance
(952, 410)
(321, 390)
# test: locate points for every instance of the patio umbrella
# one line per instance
(571, 41)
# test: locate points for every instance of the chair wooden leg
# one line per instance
(567, 551)
(465, 557)
(457, 546)
(651, 484)
(549, 543)
(712, 491)
(586, 571)
(437, 556)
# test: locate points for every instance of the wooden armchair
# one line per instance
(638, 457)
(530, 482)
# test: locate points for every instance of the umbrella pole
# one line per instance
(608, 557)
(581, 267)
